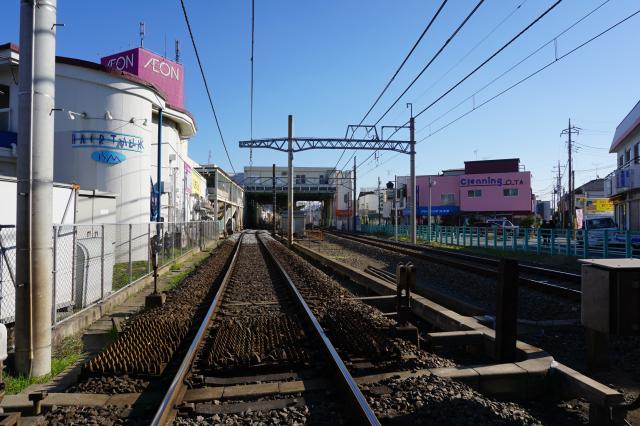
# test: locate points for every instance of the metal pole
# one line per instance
(395, 205)
(412, 129)
(273, 186)
(290, 179)
(507, 311)
(355, 197)
(429, 220)
(130, 242)
(102, 263)
(36, 100)
(159, 174)
(55, 273)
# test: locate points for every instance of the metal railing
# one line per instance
(90, 262)
(581, 243)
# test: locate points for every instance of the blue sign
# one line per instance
(435, 210)
(103, 139)
(108, 157)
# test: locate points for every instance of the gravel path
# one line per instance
(472, 289)
(431, 400)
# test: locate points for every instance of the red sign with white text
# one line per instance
(165, 74)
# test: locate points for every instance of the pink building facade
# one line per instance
(490, 188)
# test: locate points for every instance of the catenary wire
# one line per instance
(206, 85)
(486, 61)
(508, 70)
(395, 74)
(575, 49)
(424, 69)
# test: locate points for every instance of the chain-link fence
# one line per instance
(93, 261)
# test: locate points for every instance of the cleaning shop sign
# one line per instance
(492, 181)
(112, 145)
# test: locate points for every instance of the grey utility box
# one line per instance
(611, 296)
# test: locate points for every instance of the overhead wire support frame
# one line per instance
(305, 144)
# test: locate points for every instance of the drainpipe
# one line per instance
(159, 176)
(34, 264)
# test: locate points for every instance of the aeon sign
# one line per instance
(167, 75)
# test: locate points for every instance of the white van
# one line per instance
(502, 223)
(596, 226)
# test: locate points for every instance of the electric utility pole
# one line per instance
(34, 242)
(569, 131)
(355, 196)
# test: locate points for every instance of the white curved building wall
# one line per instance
(98, 95)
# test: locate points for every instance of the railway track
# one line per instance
(559, 283)
(261, 352)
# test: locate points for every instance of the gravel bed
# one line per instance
(166, 326)
(431, 400)
(463, 285)
(103, 416)
(310, 408)
(568, 346)
(110, 385)
(355, 328)
(258, 323)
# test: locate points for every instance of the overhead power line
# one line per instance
(575, 49)
(206, 85)
(485, 62)
(435, 56)
(539, 70)
(493, 55)
(520, 62)
(422, 71)
(404, 61)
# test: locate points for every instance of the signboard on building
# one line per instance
(435, 210)
(104, 139)
(488, 180)
(166, 75)
(198, 184)
(187, 179)
(599, 206)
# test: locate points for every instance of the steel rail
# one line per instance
(176, 389)
(363, 410)
(553, 273)
(431, 256)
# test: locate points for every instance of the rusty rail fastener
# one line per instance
(37, 398)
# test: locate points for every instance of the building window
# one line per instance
(627, 156)
(447, 199)
(620, 161)
(4, 108)
(346, 198)
(301, 179)
(474, 193)
(323, 180)
(510, 192)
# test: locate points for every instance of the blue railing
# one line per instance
(579, 243)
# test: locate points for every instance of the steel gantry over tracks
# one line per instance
(290, 145)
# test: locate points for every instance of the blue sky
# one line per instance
(326, 61)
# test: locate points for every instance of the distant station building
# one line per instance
(623, 185)
(106, 131)
(481, 190)
(334, 189)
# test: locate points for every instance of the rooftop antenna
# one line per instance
(208, 159)
(177, 51)
(141, 33)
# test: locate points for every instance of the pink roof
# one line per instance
(626, 126)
